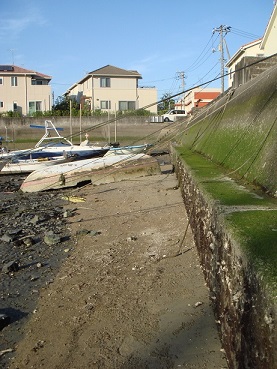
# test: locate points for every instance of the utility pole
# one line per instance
(181, 75)
(222, 30)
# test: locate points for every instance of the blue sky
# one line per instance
(157, 38)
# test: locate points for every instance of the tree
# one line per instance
(62, 106)
(61, 103)
(166, 103)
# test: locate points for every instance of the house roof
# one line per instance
(110, 70)
(13, 69)
(107, 71)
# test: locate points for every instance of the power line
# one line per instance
(200, 59)
(244, 33)
(210, 81)
(200, 63)
(161, 80)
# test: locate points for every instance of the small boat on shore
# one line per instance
(128, 150)
(96, 170)
(21, 166)
(53, 146)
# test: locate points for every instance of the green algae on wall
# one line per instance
(220, 184)
(239, 131)
(237, 248)
(257, 232)
(251, 213)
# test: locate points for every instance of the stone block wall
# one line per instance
(244, 75)
(244, 311)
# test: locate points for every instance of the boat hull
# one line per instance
(127, 150)
(50, 152)
(50, 146)
(99, 170)
(30, 165)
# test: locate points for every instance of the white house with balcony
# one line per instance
(253, 52)
(24, 91)
(113, 89)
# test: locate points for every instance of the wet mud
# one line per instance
(34, 241)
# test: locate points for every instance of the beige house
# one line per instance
(113, 89)
(252, 52)
(24, 91)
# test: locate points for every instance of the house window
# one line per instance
(37, 82)
(105, 104)
(38, 105)
(34, 106)
(127, 105)
(13, 81)
(1, 104)
(105, 82)
(1, 81)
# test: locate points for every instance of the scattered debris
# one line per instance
(198, 303)
(38, 345)
(52, 238)
(83, 232)
(3, 352)
(74, 199)
(28, 241)
(132, 238)
(6, 238)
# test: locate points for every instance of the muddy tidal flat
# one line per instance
(33, 243)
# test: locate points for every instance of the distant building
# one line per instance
(24, 91)
(112, 88)
(252, 52)
(197, 98)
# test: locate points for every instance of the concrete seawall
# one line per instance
(225, 163)
(239, 131)
(244, 306)
(98, 128)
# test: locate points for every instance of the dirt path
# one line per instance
(123, 299)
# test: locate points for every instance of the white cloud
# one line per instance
(12, 26)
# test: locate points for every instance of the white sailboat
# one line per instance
(52, 146)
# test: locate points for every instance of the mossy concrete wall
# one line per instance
(240, 276)
(225, 163)
(239, 131)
